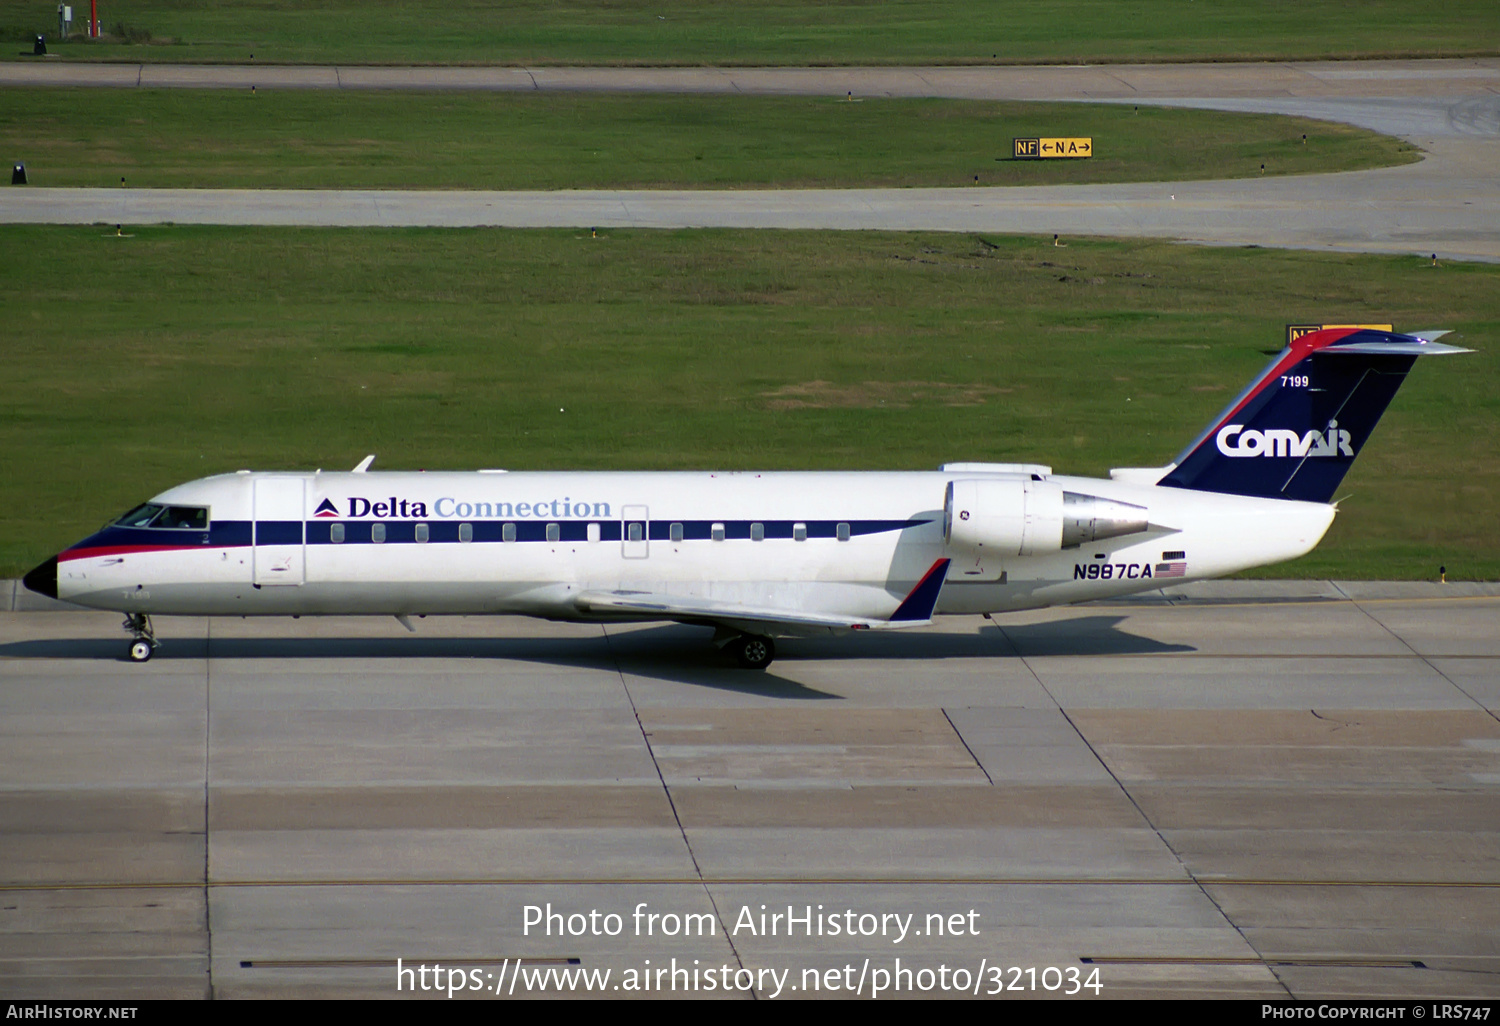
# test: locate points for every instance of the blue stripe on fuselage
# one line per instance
(357, 532)
(229, 534)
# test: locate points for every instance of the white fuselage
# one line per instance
(852, 543)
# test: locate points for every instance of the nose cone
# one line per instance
(43, 580)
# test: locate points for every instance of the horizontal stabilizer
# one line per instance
(1394, 349)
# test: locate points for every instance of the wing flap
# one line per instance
(915, 611)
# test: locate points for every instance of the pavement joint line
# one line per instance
(956, 733)
(1299, 656)
(766, 882)
(1428, 662)
(386, 963)
(208, 706)
(1130, 656)
(671, 802)
(1145, 817)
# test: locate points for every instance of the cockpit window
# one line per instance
(141, 516)
(189, 518)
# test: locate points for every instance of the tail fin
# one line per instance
(1294, 432)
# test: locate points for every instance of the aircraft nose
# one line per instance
(43, 580)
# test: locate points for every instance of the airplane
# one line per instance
(756, 556)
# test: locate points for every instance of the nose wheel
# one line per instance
(143, 640)
(754, 651)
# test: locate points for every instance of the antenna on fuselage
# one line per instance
(364, 464)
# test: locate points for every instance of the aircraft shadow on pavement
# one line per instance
(669, 652)
(683, 657)
(1085, 636)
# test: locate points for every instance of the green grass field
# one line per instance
(136, 363)
(778, 32)
(297, 139)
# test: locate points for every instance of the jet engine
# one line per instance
(994, 518)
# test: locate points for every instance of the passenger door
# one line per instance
(280, 553)
(635, 533)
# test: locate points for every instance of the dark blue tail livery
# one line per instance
(1294, 433)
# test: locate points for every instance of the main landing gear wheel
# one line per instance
(143, 638)
(754, 651)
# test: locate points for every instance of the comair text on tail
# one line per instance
(754, 556)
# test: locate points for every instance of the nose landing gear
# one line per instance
(143, 639)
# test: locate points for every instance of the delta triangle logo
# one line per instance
(326, 509)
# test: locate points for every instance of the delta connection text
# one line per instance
(447, 506)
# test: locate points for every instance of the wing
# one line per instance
(915, 610)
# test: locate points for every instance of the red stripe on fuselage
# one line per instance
(125, 550)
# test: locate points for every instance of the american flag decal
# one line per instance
(1171, 569)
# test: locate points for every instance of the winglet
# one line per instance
(364, 464)
(923, 598)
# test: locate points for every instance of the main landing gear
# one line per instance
(754, 651)
(143, 639)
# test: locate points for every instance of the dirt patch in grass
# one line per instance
(868, 395)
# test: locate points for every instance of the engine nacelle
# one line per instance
(998, 517)
(991, 519)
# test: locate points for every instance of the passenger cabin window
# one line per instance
(717, 532)
(465, 532)
(336, 533)
(757, 532)
(508, 533)
(676, 532)
(799, 532)
(423, 533)
(634, 533)
(593, 532)
(842, 531)
(377, 533)
(554, 533)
